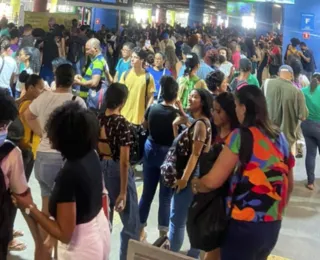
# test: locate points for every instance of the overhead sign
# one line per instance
(122, 3)
(307, 22)
(306, 35)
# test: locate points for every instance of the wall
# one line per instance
(264, 18)
(107, 17)
(292, 25)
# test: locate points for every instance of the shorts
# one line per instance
(46, 169)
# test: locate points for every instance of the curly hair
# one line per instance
(214, 80)
(8, 108)
(72, 130)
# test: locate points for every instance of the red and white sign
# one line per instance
(306, 35)
(98, 21)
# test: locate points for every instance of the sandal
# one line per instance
(310, 186)
(15, 245)
(17, 233)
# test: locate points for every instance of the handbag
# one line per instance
(208, 219)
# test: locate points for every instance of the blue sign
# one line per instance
(307, 22)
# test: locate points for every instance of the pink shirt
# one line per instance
(13, 170)
(236, 60)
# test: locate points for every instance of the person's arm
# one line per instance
(33, 122)
(92, 83)
(151, 91)
(307, 59)
(124, 169)
(115, 80)
(301, 107)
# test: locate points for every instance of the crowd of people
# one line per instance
(81, 109)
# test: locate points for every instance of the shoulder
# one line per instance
(81, 102)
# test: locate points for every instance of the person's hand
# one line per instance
(180, 185)
(23, 201)
(180, 120)
(78, 77)
(121, 202)
(179, 105)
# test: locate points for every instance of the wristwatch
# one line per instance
(28, 210)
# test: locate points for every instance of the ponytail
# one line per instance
(187, 71)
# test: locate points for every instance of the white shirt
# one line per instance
(13, 171)
(43, 106)
(10, 67)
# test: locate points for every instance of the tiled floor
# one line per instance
(299, 238)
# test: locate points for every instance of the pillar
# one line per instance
(53, 7)
(15, 9)
(292, 25)
(108, 17)
(196, 11)
(40, 5)
(264, 19)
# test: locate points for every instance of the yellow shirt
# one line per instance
(30, 140)
(135, 106)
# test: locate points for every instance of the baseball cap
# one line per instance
(165, 36)
(286, 68)
(245, 64)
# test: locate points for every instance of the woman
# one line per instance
(34, 86)
(225, 120)
(158, 71)
(115, 147)
(158, 120)
(217, 83)
(260, 177)
(49, 161)
(30, 59)
(311, 127)
(185, 49)
(263, 50)
(190, 80)
(225, 65)
(172, 63)
(300, 80)
(76, 200)
(200, 104)
(275, 58)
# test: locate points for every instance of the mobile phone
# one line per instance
(147, 44)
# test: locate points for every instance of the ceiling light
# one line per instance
(277, 6)
(212, 7)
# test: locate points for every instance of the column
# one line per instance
(53, 7)
(15, 9)
(264, 18)
(196, 11)
(40, 5)
(108, 17)
(292, 25)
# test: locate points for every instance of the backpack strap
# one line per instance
(5, 149)
(147, 88)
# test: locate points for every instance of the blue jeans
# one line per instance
(130, 215)
(154, 155)
(250, 241)
(178, 218)
(311, 132)
(47, 74)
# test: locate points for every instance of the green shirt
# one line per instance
(286, 106)
(313, 103)
(252, 80)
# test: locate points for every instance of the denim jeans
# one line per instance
(311, 132)
(178, 218)
(130, 215)
(154, 155)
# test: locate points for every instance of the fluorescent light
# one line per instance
(277, 6)
(212, 7)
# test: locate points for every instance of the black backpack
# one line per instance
(5, 201)
(207, 218)
(178, 156)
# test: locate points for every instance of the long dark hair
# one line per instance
(314, 82)
(191, 63)
(226, 102)
(206, 101)
(256, 110)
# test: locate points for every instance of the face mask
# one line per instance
(3, 136)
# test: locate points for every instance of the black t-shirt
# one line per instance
(160, 119)
(80, 182)
(308, 66)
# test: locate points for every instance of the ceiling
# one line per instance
(210, 5)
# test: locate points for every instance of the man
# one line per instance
(245, 77)
(27, 39)
(51, 23)
(166, 42)
(124, 63)
(8, 66)
(286, 104)
(141, 88)
(74, 26)
(204, 69)
(93, 85)
(307, 60)
(14, 42)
